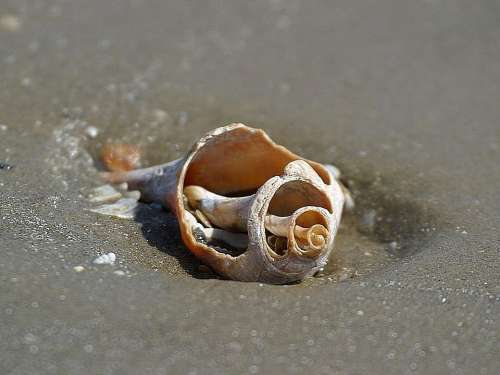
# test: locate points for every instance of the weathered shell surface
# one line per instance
(237, 161)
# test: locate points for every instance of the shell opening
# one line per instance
(297, 194)
(279, 245)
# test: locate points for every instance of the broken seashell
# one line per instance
(124, 208)
(104, 193)
(120, 157)
(288, 208)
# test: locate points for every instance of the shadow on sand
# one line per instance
(161, 230)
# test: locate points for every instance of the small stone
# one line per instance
(5, 166)
(108, 258)
(119, 273)
(78, 268)
(345, 274)
(30, 338)
(92, 131)
(160, 115)
(368, 220)
(10, 22)
(26, 82)
(3, 127)
(183, 118)
(120, 157)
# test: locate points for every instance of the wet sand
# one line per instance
(402, 97)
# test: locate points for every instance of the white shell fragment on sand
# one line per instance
(133, 194)
(92, 131)
(104, 193)
(125, 208)
(108, 258)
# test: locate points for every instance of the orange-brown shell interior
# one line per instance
(240, 161)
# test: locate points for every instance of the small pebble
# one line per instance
(393, 246)
(119, 273)
(183, 118)
(92, 131)
(160, 115)
(368, 220)
(120, 157)
(26, 82)
(78, 268)
(108, 258)
(5, 166)
(3, 127)
(10, 22)
(345, 274)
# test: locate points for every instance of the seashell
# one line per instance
(120, 157)
(124, 208)
(105, 193)
(247, 207)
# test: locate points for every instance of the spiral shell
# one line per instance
(247, 207)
